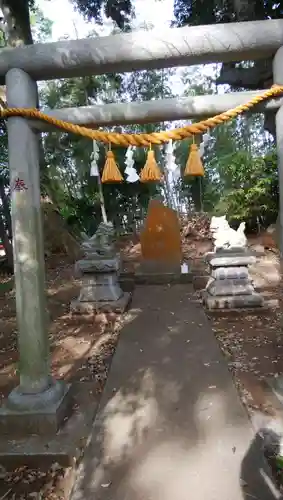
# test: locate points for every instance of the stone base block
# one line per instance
(257, 312)
(162, 278)
(232, 302)
(223, 273)
(102, 287)
(39, 421)
(231, 261)
(160, 267)
(230, 258)
(117, 306)
(234, 251)
(98, 265)
(221, 252)
(227, 287)
(65, 447)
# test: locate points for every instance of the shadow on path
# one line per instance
(170, 424)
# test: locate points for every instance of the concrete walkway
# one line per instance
(170, 424)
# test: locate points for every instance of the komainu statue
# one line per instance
(224, 237)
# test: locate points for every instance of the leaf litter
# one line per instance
(81, 350)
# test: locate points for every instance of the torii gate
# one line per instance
(20, 69)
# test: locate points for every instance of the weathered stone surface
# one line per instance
(233, 251)
(221, 273)
(100, 275)
(64, 447)
(160, 267)
(98, 265)
(34, 414)
(100, 287)
(229, 253)
(162, 278)
(226, 252)
(232, 302)
(101, 244)
(232, 260)
(230, 287)
(161, 238)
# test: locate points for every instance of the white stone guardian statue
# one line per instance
(224, 237)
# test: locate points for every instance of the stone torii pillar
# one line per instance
(278, 79)
(277, 383)
(39, 403)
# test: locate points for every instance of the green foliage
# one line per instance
(242, 162)
(241, 177)
(240, 184)
(253, 192)
(120, 11)
(67, 176)
(41, 27)
(223, 11)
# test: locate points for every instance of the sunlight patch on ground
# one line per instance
(62, 288)
(8, 369)
(166, 464)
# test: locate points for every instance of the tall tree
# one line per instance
(20, 21)
(120, 11)
(68, 157)
(254, 75)
(240, 164)
(16, 21)
(16, 16)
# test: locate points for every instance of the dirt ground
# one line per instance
(82, 349)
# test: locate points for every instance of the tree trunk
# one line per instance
(247, 10)
(260, 76)
(15, 26)
(7, 245)
(16, 22)
(6, 207)
(257, 77)
(17, 32)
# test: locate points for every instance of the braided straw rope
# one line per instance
(144, 139)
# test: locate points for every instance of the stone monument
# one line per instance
(229, 285)
(161, 240)
(99, 270)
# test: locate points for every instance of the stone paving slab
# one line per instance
(170, 424)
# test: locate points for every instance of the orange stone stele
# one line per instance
(161, 238)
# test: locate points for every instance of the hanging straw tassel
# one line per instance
(111, 172)
(194, 164)
(151, 171)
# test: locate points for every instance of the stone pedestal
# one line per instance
(36, 414)
(155, 267)
(100, 290)
(230, 286)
